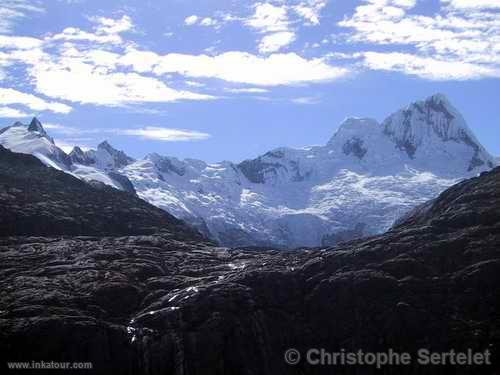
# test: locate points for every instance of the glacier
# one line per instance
(359, 183)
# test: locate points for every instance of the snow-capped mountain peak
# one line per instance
(365, 177)
(33, 139)
(434, 118)
(354, 137)
(79, 156)
(356, 126)
(104, 145)
(108, 157)
(105, 157)
(167, 165)
(433, 128)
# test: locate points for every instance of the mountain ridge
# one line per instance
(33, 139)
(366, 176)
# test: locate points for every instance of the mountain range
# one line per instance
(359, 183)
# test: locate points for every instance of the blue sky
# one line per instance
(224, 79)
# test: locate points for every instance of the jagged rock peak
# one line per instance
(153, 157)
(423, 119)
(76, 151)
(120, 158)
(79, 156)
(435, 125)
(36, 126)
(105, 145)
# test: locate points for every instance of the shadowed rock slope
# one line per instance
(157, 305)
(38, 200)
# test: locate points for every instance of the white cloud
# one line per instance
(238, 67)
(191, 20)
(12, 113)
(307, 13)
(141, 61)
(111, 25)
(310, 10)
(427, 67)
(19, 42)
(73, 80)
(248, 90)
(407, 4)
(305, 100)
(241, 67)
(74, 136)
(276, 41)
(106, 31)
(277, 23)
(11, 96)
(53, 126)
(207, 21)
(89, 73)
(12, 11)
(269, 18)
(22, 56)
(457, 43)
(473, 4)
(273, 21)
(164, 134)
(65, 130)
(85, 74)
(194, 84)
(75, 34)
(195, 20)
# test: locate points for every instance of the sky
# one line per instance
(230, 80)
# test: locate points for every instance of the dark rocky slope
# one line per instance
(157, 305)
(37, 200)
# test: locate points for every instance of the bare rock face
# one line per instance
(79, 156)
(170, 303)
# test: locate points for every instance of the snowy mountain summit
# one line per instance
(365, 177)
(33, 139)
(434, 128)
(106, 157)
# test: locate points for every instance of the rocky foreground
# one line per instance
(163, 304)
